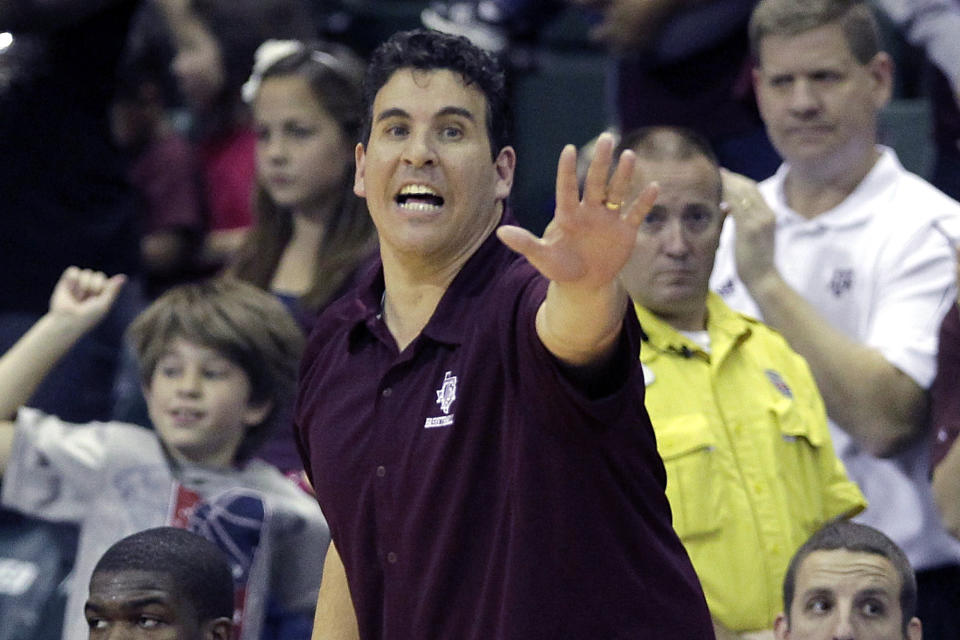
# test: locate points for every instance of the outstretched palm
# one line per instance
(590, 238)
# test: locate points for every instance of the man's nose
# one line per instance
(418, 150)
(843, 626)
(675, 239)
(804, 99)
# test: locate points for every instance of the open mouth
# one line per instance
(418, 197)
(186, 416)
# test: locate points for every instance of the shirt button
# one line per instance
(387, 392)
(381, 471)
(392, 558)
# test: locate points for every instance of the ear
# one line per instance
(781, 628)
(218, 629)
(914, 629)
(881, 70)
(505, 164)
(359, 157)
(256, 413)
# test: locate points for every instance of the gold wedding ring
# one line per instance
(612, 206)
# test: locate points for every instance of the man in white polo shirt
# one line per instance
(839, 251)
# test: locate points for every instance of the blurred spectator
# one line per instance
(219, 363)
(839, 252)
(751, 471)
(311, 231)
(677, 62)
(215, 41)
(163, 164)
(66, 199)
(934, 25)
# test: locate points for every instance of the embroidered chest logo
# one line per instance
(779, 383)
(446, 395)
(726, 288)
(841, 282)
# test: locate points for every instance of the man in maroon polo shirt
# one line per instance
(471, 419)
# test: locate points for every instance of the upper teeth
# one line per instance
(417, 190)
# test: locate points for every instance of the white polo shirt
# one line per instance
(879, 272)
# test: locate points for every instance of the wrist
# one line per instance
(764, 286)
(61, 326)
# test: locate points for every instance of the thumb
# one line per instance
(518, 239)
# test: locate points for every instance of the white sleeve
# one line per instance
(916, 291)
(54, 467)
(932, 25)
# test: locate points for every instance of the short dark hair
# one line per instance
(664, 143)
(792, 17)
(197, 567)
(431, 50)
(243, 323)
(852, 536)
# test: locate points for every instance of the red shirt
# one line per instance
(472, 491)
(229, 173)
(945, 393)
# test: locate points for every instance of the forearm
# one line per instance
(876, 403)
(24, 366)
(581, 327)
(335, 618)
(946, 489)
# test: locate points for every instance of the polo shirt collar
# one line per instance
(723, 323)
(454, 314)
(855, 210)
(452, 317)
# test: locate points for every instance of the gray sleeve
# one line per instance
(932, 25)
(54, 466)
(298, 555)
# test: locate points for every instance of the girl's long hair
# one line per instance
(335, 75)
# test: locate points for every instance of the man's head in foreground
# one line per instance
(852, 582)
(162, 584)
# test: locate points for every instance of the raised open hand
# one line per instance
(590, 238)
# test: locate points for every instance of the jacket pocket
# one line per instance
(695, 486)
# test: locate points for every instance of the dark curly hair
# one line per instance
(431, 50)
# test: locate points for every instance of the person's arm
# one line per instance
(582, 252)
(633, 24)
(335, 618)
(80, 300)
(876, 403)
(946, 489)
(932, 25)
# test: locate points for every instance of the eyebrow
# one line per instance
(396, 112)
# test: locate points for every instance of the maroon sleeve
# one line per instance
(945, 392)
